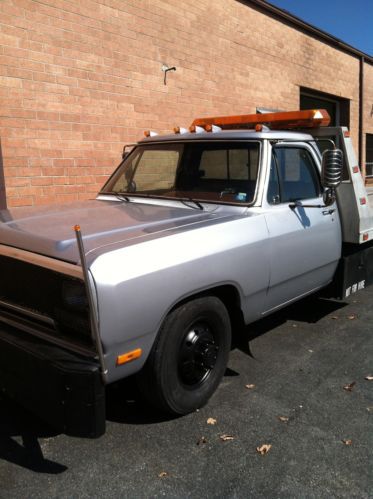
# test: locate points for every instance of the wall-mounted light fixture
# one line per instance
(166, 69)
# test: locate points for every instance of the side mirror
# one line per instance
(127, 149)
(331, 173)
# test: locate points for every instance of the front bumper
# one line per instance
(63, 389)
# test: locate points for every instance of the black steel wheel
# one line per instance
(189, 356)
(198, 354)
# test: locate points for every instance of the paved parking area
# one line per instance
(298, 362)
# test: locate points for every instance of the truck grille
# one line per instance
(38, 300)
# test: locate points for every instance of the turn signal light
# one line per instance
(127, 357)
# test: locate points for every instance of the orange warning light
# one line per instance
(311, 118)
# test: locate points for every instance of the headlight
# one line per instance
(74, 295)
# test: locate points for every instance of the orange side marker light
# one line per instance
(129, 356)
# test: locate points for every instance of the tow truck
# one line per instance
(194, 235)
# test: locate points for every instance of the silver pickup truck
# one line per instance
(194, 235)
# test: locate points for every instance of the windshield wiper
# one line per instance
(191, 200)
(119, 195)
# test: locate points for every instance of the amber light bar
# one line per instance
(310, 118)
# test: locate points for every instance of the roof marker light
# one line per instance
(363, 200)
(180, 129)
(346, 134)
(196, 129)
(365, 236)
(200, 129)
(355, 169)
(150, 133)
(212, 128)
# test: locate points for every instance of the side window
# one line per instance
(298, 176)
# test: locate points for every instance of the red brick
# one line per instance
(42, 181)
(24, 201)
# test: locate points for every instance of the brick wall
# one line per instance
(78, 80)
(368, 105)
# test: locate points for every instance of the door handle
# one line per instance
(328, 212)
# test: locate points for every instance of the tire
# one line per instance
(189, 357)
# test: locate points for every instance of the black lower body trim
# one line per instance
(63, 389)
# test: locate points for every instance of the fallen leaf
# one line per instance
(351, 317)
(370, 409)
(349, 386)
(283, 419)
(311, 351)
(162, 474)
(335, 317)
(202, 440)
(295, 325)
(347, 441)
(211, 421)
(264, 449)
(250, 387)
(369, 378)
(225, 438)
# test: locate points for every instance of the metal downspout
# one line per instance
(2, 182)
(361, 115)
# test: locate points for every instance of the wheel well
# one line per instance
(230, 296)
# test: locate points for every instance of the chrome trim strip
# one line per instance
(27, 313)
(42, 261)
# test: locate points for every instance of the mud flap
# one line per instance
(355, 271)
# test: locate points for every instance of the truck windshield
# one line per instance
(223, 172)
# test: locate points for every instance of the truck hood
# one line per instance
(49, 230)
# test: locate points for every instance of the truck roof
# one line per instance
(230, 135)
